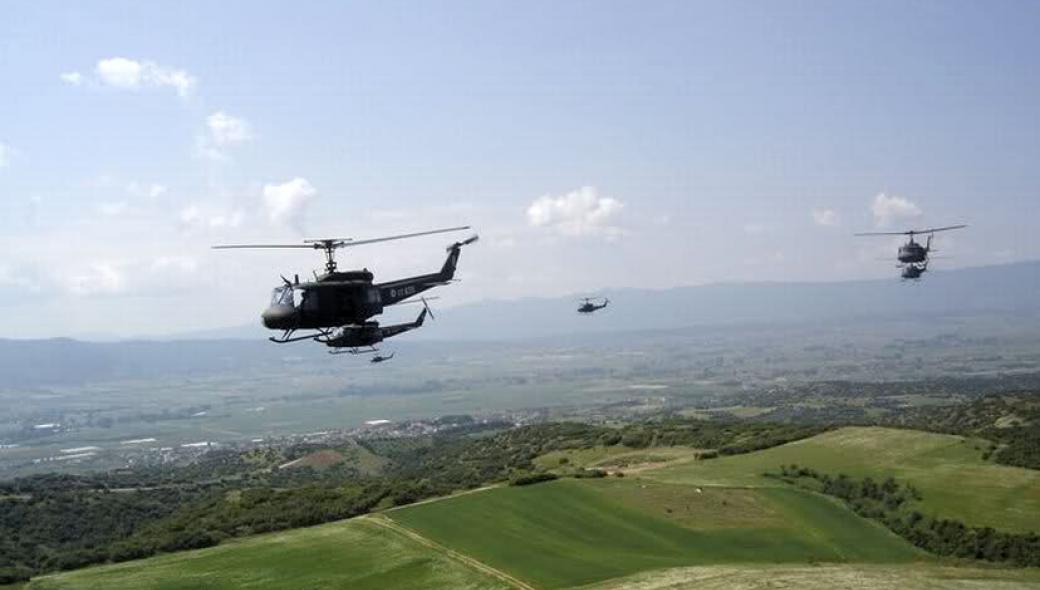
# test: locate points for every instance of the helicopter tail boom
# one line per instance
(397, 291)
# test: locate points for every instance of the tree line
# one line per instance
(893, 504)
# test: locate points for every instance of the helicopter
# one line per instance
(345, 300)
(380, 358)
(912, 272)
(913, 256)
(588, 306)
(363, 338)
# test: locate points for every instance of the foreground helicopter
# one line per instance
(346, 300)
(588, 306)
(913, 256)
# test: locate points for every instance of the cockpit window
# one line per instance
(282, 296)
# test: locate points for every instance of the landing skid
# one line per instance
(368, 350)
(288, 337)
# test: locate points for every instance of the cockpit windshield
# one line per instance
(283, 296)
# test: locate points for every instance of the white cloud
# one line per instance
(195, 217)
(162, 275)
(120, 72)
(222, 132)
(227, 130)
(130, 74)
(74, 78)
(285, 203)
(99, 278)
(825, 217)
(577, 213)
(190, 216)
(887, 209)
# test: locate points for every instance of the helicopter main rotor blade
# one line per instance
(335, 243)
(348, 242)
(912, 232)
(241, 246)
(935, 229)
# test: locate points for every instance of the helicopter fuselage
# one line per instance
(912, 252)
(335, 299)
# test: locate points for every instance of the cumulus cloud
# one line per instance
(285, 203)
(825, 217)
(887, 209)
(162, 275)
(195, 217)
(577, 213)
(74, 78)
(98, 278)
(222, 132)
(227, 130)
(131, 74)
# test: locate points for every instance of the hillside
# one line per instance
(948, 470)
(675, 520)
(576, 532)
(354, 554)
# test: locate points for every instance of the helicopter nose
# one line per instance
(279, 317)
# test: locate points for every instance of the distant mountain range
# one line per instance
(1005, 289)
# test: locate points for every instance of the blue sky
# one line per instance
(593, 144)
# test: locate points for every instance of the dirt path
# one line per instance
(388, 523)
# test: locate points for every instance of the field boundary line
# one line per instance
(388, 523)
(441, 498)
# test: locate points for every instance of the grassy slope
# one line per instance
(571, 532)
(861, 577)
(351, 554)
(950, 473)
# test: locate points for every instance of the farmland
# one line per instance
(352, 554)
(948, 470)
(569, 533)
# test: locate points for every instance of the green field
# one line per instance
(917, 576)
(687, 524)
(355, 554)
(948, 470)
(573, 532)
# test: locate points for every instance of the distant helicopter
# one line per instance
(912, 256)
(381, 359)
(345, 301)
(588, 306)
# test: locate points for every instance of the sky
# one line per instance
(592, 145)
